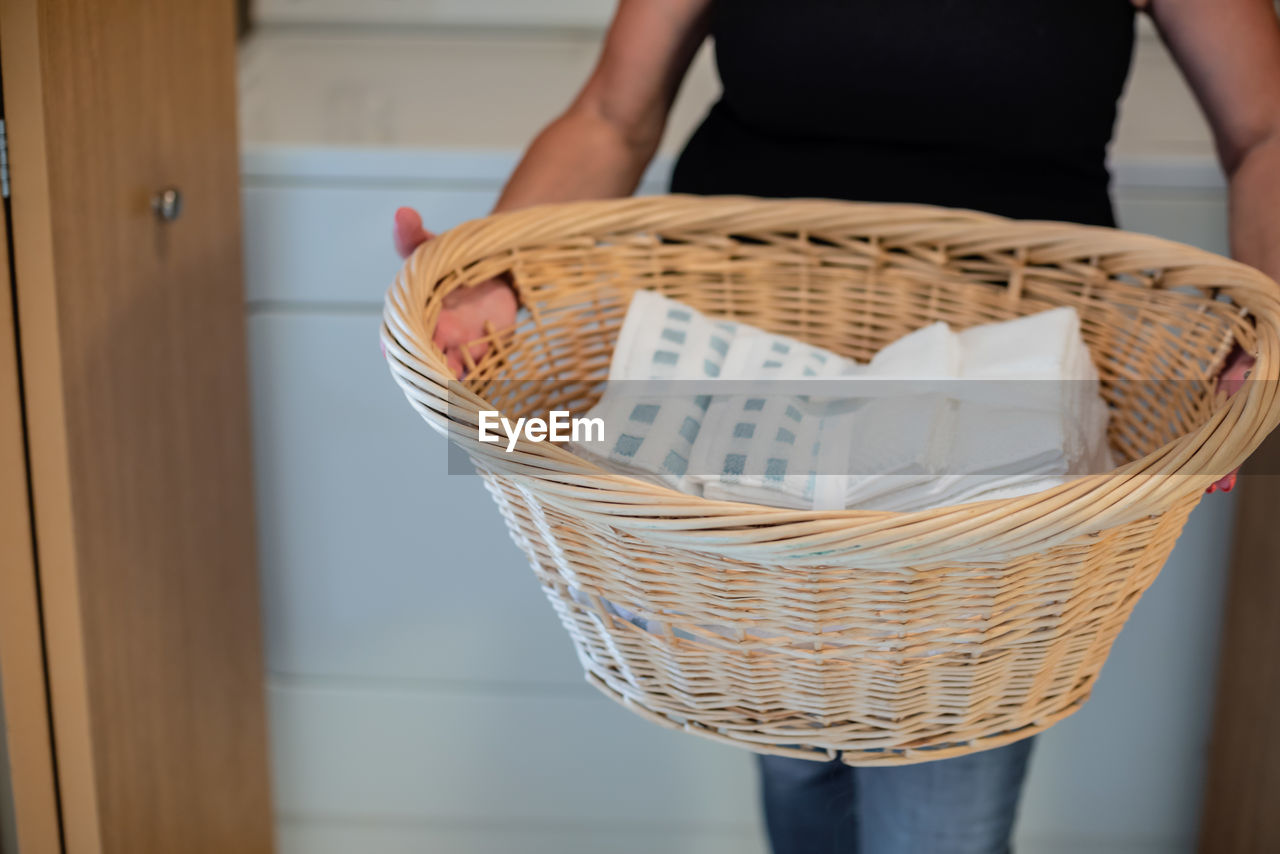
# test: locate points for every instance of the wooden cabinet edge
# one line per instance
(24, 95)
(22, 665)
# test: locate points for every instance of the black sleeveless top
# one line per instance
(1004, 106)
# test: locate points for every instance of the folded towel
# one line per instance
(1037, 346)
(931, 352)
(1034, 362)
(900, 415)
(652, 435)
(767, 446)
(982, 451)
(757, 354)
(773, 449)
(895, 446)
(662, 339)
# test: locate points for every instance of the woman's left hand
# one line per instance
(1231, 380)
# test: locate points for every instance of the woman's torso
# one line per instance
(999, 105)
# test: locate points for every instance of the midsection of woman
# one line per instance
(1005, 106)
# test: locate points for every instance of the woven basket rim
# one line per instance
(1022, 524)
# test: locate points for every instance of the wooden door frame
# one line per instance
(1241, 801)
(22, 664)
(21, 69)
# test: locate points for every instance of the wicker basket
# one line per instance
(958, 629)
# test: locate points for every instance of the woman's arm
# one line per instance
(598, 148)
(601, 145)
(1229, 51)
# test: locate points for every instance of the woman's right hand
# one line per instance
(466, 311)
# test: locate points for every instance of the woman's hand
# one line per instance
(466, 311)
(1231, 381)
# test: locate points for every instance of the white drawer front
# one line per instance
(497, 757)
(375, 561)
(306, 241)
(317, 244)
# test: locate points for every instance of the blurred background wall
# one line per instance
(423, 696)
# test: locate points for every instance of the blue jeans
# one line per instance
(963, 805)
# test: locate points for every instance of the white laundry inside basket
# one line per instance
(935, 418)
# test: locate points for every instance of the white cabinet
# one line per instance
(334, 241)
(378, 563)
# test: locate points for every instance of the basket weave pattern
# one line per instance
(879, 638)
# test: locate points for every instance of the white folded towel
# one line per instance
(757, 354)
(773, 449)
(662, 339)
(931, 352)
(1026, 416)
(895, 447)
(1038, 362)
(652, 435)
(769, 447)
(896, 429)
(1034, 362)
